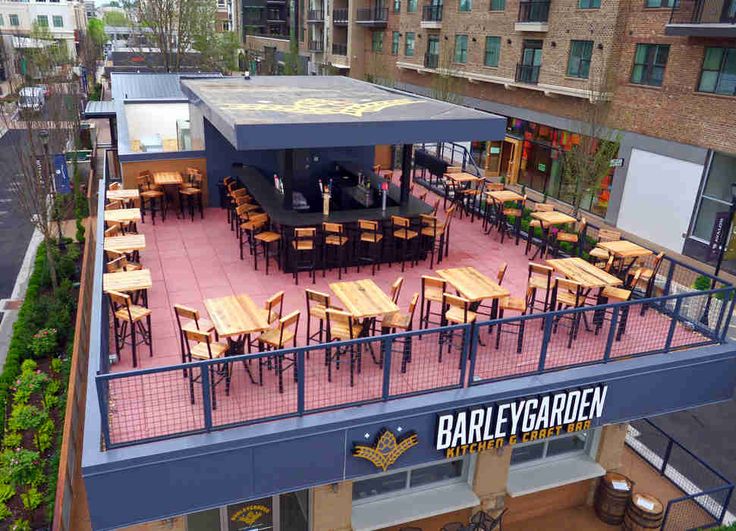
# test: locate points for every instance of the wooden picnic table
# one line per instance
(236, 315)
(363, 298)
(505, 196)
(127, 281)
(584, 273)
(127, 243)
(624, 249)
(166, 178)
(124, 194)
(123, 215)
(472, 284)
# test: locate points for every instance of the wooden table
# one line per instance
(505, 196)
(625, 249)
(128, 243)
(463, 177)
(549, 219)
(584, 273)
(236, 315)
(472, 284)
(124, 194)
(165, 178)
(129, 281)
(123, 215)
(363, 298)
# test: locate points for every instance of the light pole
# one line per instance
(43, 134)
(724, 238)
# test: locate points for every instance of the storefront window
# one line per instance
(716, 195)
(251, 515)
(285, 512)
(562, 446)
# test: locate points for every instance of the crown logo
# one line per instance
(386, 450)
(250, 514)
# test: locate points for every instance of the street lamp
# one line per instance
(43, 134)
(723, 243)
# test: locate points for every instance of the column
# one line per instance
(491, 476)
(611, 446)
(332, 507)
(405, 174)
(287, 179)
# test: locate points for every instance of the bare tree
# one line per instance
(446, 82)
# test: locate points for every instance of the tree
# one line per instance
(115, 18)
(445, 82)
(218, 51)
(96, 32)
(587, 163)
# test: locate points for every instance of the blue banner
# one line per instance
(61, 175)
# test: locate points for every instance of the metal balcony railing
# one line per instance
(534, 11)
(339, 49)
(703, 12)
(432, 13)
(431, 60)
(316, 46)
(315, 15)
(372, 15)
(527, 74)
(340, 16)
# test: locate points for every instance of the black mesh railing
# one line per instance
(316, 46)
(703, 12)
(431, 60)
(340, 16)
(432, 13)
(533, 11)
(339, 49)
(527, 74)
(372, 14)
(315, 15)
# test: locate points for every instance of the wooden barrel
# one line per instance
(643, 511)
(611, 497)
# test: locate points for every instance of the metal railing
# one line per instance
(703, 12)
(707, 492)
(340, 16)
(431, 60)
(455, 154)
(315, 15)
(372, 14)
(432, 13)
(527, 74)
(533, 11)
(316, 46)
(339, 49)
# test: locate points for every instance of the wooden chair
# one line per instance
(487, 522)
(335, 239)
(248, 229)
(516, 211)
(342, 327)
(573, 238)
(432, 290)
(271, 312)
(539, 279)
(434, 232)
(648, 277)
(604, 235)
(404, 239)
(266, 237)
(535, 224)
(113, 230)
(151, 197)
(396, 289)
(610, 295)
(513, 304)
(191, 192)
(565, 295)
(396, 321)
(369, 245)
(278, 338)
(205, 349)
(490, 212)
(121, 262)
(317, 305)
(130, 320)
(455, 310)
(188, 319)
(304, 252)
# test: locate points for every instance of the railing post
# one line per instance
(104, 413)
(300, 381)
(386, 355)
(667, 454)
(673, 324)
(725, 505)
(668, 281)
(469, 352)
(721, 313)
(611, 332)
(545, 340)
(666, 514)
(204, 377)
(729, 316)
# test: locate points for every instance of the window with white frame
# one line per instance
(410, 480)
(563, 446)
(58, 21)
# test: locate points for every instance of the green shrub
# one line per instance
(44, 342)
(21, 525)
(21, 467)
(702, 283)
(28, 383)
(26, 417)
(50, 400)
(12, 439)
(56, 366)
(6, 492)
(31, 499)
(4, 512)
(45, 435)
(28, 366)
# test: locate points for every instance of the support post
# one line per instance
(287, 179)
(405, 174)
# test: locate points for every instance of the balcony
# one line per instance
(315, 16)
(533, 16)
(431, 17)
(340, 16)
(316, 46)
(703, 18)
(339, 49)
(431, 60)
(528, 74)
(375, 17)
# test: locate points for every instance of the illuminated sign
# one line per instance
(250, 514)
(524, 420)
(386, 450)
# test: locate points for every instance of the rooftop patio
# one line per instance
(191, 261)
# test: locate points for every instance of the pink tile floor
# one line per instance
(193, 261)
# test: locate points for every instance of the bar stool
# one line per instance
(516, 212)
(248, 229)
(490, 212)
(334, 238)
(369, 244)
(150, 195)
(278, 338)
(599, 253)
(304, 252)
(191, 191)
(404, 322)
(129, 320)
(222, 189)
(342, 327)
(568, 294)
(514, 304)
(317, 305)
(266, 237)
(455, 310)
(205, 349)
(573, 238)
(537, 224)
(539, 278)
(432, 290)
(188, 319)
(404, 237)
(610, 295)
(434, 232)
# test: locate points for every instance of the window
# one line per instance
(578, 64)
(409, 44)
(58, 21)
(395, 43)
(461, 49)
(660, 3)
(377, 42)
(589, 4)
(43, 21)
(556, 447)
(404, 481)
(493, 51)
(716, 196)
(649, 63)
(498, 5)
(2, 20)
(466, 5)
(718, 75)
(411, 6)
(397, 6)
(13, 19)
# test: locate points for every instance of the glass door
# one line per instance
(532, 53)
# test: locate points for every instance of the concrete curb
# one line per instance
(19, 291)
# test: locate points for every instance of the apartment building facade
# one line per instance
(668, 73)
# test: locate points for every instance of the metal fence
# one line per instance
(706, 493)
(702, 12)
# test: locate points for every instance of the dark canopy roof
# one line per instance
(277, 112)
